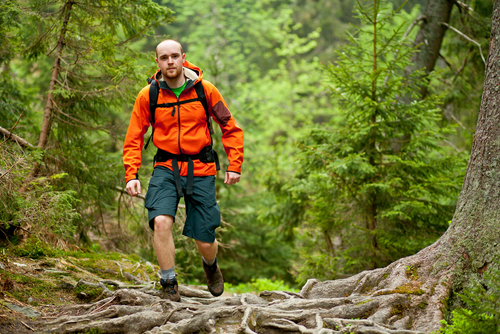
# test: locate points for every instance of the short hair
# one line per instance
(168, 40)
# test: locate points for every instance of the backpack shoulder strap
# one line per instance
(154, 91)
(200, 91)
(198, 87)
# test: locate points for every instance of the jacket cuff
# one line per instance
(234, 169)
(132, 177)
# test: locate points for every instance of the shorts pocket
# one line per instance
(152, 194)
(214, 213)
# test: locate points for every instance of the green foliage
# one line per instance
(258, 285)
(34, 249)
(100, 71)
(377, 183)
(482, 312)
(52, 213)
(462, 74)
(93, 331)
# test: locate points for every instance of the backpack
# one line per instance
(154, 91)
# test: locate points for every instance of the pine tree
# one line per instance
(378, 183)
(76, 66)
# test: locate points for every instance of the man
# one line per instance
(185, 163)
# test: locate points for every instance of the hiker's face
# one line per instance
(170, 59)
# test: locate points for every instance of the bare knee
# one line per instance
(207, 249)
(163, 223)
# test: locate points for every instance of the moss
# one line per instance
(411, 272)
(95, 256)
(366, 289)
(423, 305)
(407, 289)
(92, 331)
(398, 309)
(433, 288)
(364, 302)
(105, 265)
(33, 249)
(386, 275)
(25, 287)
(87, 293)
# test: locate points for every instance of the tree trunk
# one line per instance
(430, 36)
(471, 242)
(47, 114)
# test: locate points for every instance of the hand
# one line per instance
(133, 187)
(232, 178)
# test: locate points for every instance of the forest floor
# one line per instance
(97, 293)
(36, 290)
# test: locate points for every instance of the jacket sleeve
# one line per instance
(232, 134)
(137, 128)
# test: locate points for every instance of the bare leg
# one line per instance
(163, 241)
(206, 249)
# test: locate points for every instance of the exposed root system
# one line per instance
(399, 299)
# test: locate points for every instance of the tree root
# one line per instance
(402, 298)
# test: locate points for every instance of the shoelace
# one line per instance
(171, 289)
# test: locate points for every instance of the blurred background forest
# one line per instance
(338, 177)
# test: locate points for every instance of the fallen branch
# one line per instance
(27, 326)
(17, 139)
(122, 190)
(12, 129)
(10, 169)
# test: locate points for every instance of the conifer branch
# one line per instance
(82, 124)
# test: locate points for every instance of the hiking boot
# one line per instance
(170, 289)
(215, 281)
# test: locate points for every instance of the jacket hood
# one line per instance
(191, 71)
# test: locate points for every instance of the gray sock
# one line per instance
(210, 263)
(168, 273)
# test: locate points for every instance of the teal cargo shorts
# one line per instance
(202, 210)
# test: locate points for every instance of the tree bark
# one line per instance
(47, 114)
(430, 36)
(473, 233)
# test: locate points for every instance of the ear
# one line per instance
(156, 59)
(183, 58)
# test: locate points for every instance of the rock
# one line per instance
(27, 311)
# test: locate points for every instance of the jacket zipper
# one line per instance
(179, 125)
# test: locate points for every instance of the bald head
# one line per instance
(169, 43)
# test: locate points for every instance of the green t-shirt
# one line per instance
(177, 91)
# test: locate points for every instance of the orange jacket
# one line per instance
(184, 133)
